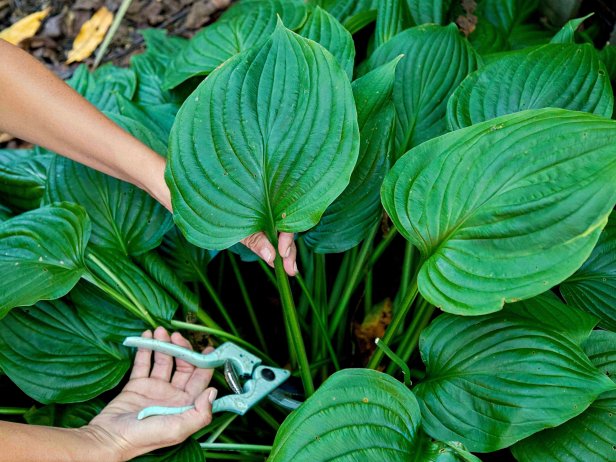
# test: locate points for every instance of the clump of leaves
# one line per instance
(493, 156)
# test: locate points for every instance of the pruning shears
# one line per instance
(239, 366)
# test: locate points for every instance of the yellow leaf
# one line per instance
(24, 28)
(90, 35)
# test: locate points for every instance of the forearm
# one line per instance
(33, 443)
(38, 107)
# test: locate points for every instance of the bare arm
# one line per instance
(37, 106)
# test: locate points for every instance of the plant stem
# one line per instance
(407, 267)
(216, 299)
(396, 360)
(224, 335)
(13, 410)
(236, 447)
(319, 319)
(112, 30)
(341, 277)
(267, 417)
(130, 302)
(268, 272)
(248, 302)
(399, 315)
(296, 342)
(229, 456)
(356, 274)
(227, 419)
(422, 317)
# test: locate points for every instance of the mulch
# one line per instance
(55, 37)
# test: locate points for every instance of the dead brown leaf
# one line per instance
(25, 28)
(90, 35)
(4, 137)
(467, 22)
(373, 326)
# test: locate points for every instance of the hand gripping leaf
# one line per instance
(504, 209)
(266, 142)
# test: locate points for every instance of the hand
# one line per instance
(258, 242)
(260, 245)
(117, 425)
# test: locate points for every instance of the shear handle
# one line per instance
(243, 361)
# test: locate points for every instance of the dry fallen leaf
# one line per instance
(90, 35)
(374, 325)
(24, 28)
(4, 137)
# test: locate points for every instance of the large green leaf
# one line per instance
(593, 286)
(547, 310)
(266, 142)
(5, 213)
(323, 28)
(22, 178)
(124, 217)
(66, 416)
(156, 118)
(357, 414)
(608, 56)
(429, 11)
(358, 209)
(41, 254)
(493, 380)
(150, 67)
(589, 436)
(343, 10)
(237, 30)
(422, 84)
(505, 209)
(506, 14)
(393, 17)
(188, 451)
(186, 260)
(100, 86)
(54, 356)
(135, 288)
(113, 322)
(567, 33)
(566, 76)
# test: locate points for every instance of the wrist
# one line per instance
(101, 444)
(152, 180)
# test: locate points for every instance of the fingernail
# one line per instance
(295, 268)
(266, 254)
(212, 396)
(287, 252)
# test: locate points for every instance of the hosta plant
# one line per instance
(451, 195)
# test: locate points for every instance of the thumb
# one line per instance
(201, 415)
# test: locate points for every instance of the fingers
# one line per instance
(199, 379)
(163, 363)
(260, 245)
(288, 252)
(143, 360)
(195, 419)
(183, 370)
